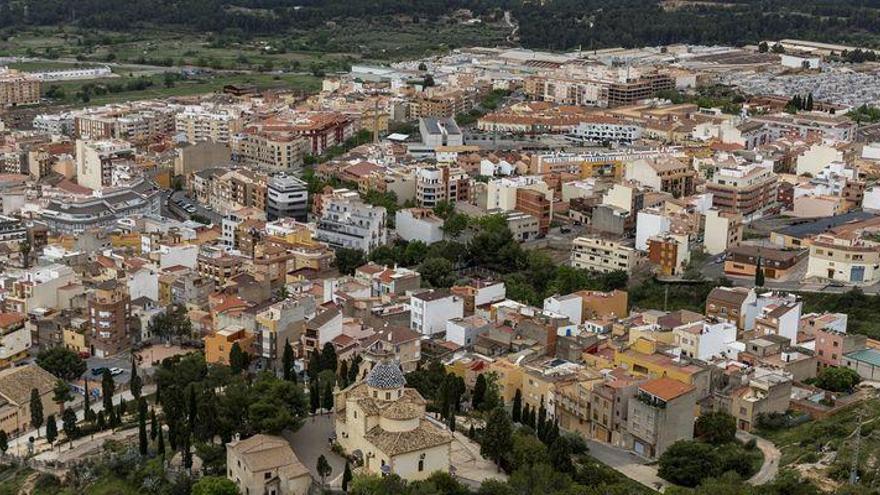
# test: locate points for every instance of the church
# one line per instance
(383, 424)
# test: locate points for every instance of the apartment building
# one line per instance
(643, 88)
(721, 230)
(704, 340)
(346, 221)
(597, 129)
(663, 173)
(140, 121)
(235, 189)
(441, 183)
(419, 224)
(669, 253)
(442, 105)
(602, 255)
(109, 313)
(214, 263)
(776, 264)
(660, 414)
(272, 147)
(749, 189)
(18, 88)
(278, 324)
(431, 309)
(844, 257)
(833, 343)
(200, 123)
(287, 197)
(732, 304)
(830, 126)
(95, 161)
(523, 226)
(219, 344)
(767, 392)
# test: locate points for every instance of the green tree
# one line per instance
(328, 358)
(516, 413)
(560, 455)
(61, 394)
(108, 388)
(496, 440)
(89, 414)
(314, 396)
(135, 383)
(323, 468)
(160, 444)
(63, 363)
(759, 274)
(837, 379)
(287, 361)
(142, 426)
(154, 424)
(214, 485)
(36, 410)
(342, 376)
(346, 476)
(238, 359)
(526, 449)
(437, 272)
(455, 225)
(51, 429)
(327, 399)
(69, 421)
(763, 47)
(101, 423)
(354, 370)
(716, 427)
(4, 442)
(687, 463)
(479, 393)
(347, 260)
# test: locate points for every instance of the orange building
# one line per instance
(219, 343)
(536, 204)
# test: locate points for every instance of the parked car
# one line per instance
(116, 371)
(98, 371)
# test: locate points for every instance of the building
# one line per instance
(660, 414)
(441, 183)
(731, 304)
(266, 465)
(199, 123)
(830, 126)
(832, 344)
(16, 385)
(777, 264)
(18, 88)
(95, 161)
(75, 216)
(109, 312)
(438, 132)
(778, 315)
(663, 173)
(398, 344)
(464, 331)
(419, 224)
(767, 392)
(137, 121)
(280, 323)
(602, 255)
(15, 339)
(722, 229)
(219, 343)
(596, 129)
(704, 340)
(384, 424)
(865, 362)
(347, 222)
(669, 253)
(750, 190)
(274, 148)
(200, 156)
(844, 257)
(287, 197)
(431, 309)
(523, 226)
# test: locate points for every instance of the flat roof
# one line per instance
(824, 224)
(870, 356)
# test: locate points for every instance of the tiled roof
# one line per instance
(16, 383)
(666, 388)
(386, 376)
(394, 443)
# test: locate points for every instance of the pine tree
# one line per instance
(517, 407)
(346, 477)
(287, 361)
(51, 429)
(36, 410)
(142, 426)
(479, 393)
(327, 403)
(135, 384)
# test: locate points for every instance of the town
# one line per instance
(491, 270)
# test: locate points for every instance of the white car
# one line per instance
(116, 371)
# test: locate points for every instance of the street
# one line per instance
(628, 464)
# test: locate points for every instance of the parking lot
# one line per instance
(122, 361)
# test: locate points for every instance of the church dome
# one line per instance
(386, 376)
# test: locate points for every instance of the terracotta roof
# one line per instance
(666, 388)
(16, 383)
(425, 436)
(8, 319)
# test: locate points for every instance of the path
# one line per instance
(771, 458)
(311, 441)
(27, 488)
(628, 464)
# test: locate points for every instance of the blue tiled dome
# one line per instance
(386, 376)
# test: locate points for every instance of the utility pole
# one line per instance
(854, 470)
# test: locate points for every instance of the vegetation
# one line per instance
(837, 379)
(865, 114)
(862, 310)
(61, 362)
(728, 99)
(688, 463)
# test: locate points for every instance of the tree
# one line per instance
(101, 423)
(438, 272)
(347, 260)
(24, 248)
(687, 462)
(238, 359)
(108, 388)
(287, 361)
(328, 358)
(759, 274)
(560, 455)
(516, 414)
(135, 383)
(51, 429)
(777, 48)
(342, 377)
(69, 420)
(479, 392)
(4, 442)
(142, 426)
(809, 105)
(36, 410)
(314, 396)
(63, 363)
(324, 469)
(763, 47)
(160, 444)
(154, 424)
(61, 394)
(716, 427)
(496, 441)
(314, 364)
(89, 414)
(455, 224)
(542, 421)
(327, 403)
(354, 370)
(422, 67)
(346, 476)
(214, 485)
(837, 379)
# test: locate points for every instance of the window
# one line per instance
(267, 475)
(422, 463)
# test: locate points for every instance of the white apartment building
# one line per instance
(844, 258)
(199, 123)
(348, 222)
(95, 161)
(501, 193)
(419, 224)
(441, 183)
(602, 255)
(430, 310)
(649, 223)
(704, 340)
(600, 130)
(722, 230)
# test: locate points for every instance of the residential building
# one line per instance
(109, 313)
(431, 309)
(347, 222)
(200, 123)
(669, 253)
(732, 304)
(660, 414)
(220, 343)
(95, 161)
(442, 183)
(779, 315)
(663, 173)
(464, 331)
(18, 88)
(609, 407)
(721, 230)
(265, 464)
(398, 344)
(704, 340)
(523, 226)
(287, 197)
(596, 129)
(767, 392)
(275, 148)
(749, 189)
(200, 156)
(602, 255)
(777, 264)
(832, 344)
(388, 281)
(386, 422)
(438, 132)
(15, 339)
(419, 224)
(844, 257)
(280, 323)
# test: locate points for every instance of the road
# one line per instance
(311, 441)
(770, 468)
(628, 464)
(178, 212)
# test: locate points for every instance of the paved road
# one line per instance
(628, 464)
(771, 458)
(311, 441)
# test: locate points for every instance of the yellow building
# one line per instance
(219, 344)
(508, 376)
(643, 359)
(75, 340)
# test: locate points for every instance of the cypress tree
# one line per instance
(51, 429)
(287, 361)
(160, 445)
(516, 414)
(154, 425)
(328, 396)
(314, 396)
(142, 427)
(343, 374)
(759, 274)
(479, 393)
(135, 384)
(36, 410)
(346, 477)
